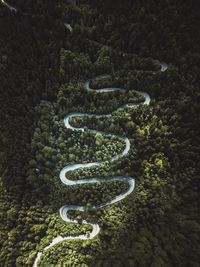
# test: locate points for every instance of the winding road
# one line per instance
(71, 167)
(12, 8)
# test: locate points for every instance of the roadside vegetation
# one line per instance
(43, 68)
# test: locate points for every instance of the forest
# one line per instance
(48, 50)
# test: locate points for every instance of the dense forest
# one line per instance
(48, 50)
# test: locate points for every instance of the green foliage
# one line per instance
(42, 71)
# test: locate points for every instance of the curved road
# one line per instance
(63, 174)
(9, 6)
